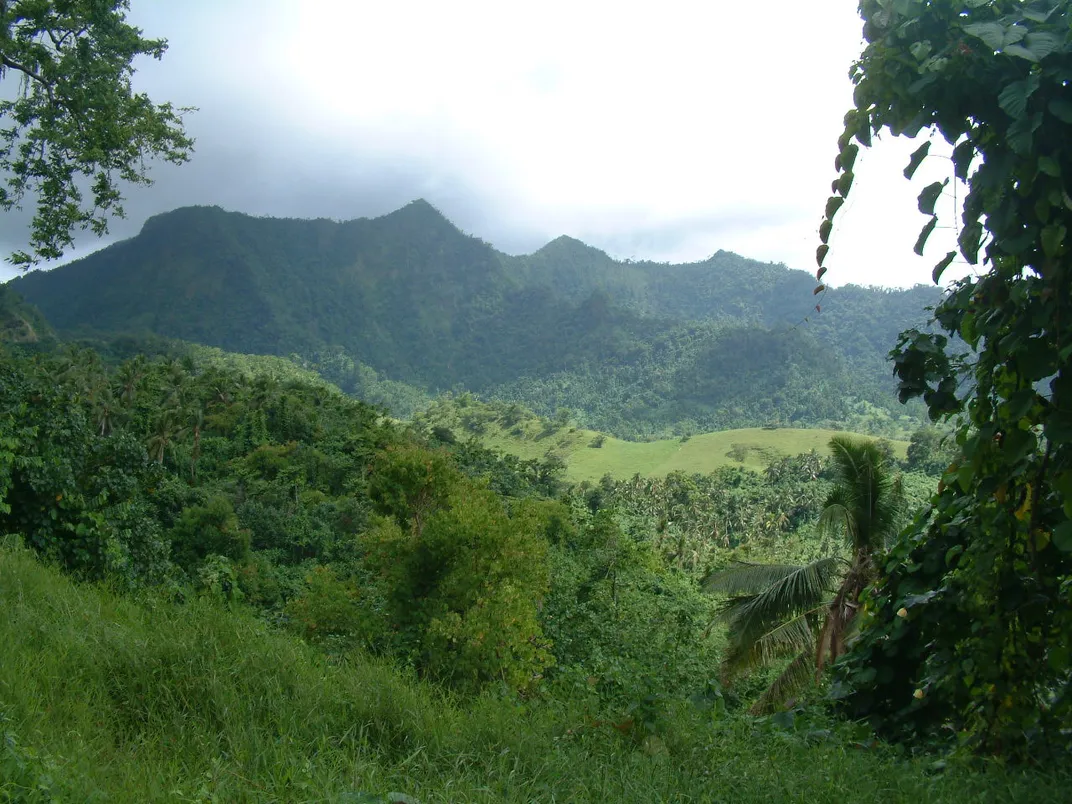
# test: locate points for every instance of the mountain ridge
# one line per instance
(415, 298)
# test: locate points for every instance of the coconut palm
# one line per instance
(805, 612)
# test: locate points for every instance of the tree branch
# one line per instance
(29, 73)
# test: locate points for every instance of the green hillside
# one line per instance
(107, 699)
(636, 349)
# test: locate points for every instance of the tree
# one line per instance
(930, 450)
(966, 632)
(460, 579)
(76, 120)
(785, 610)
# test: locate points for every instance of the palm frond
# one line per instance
(804, 589)
(866, 498)
(784, 639)
(794, 678)
(746, 578)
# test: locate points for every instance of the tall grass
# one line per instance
(107, 698)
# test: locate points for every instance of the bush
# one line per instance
(209, 529)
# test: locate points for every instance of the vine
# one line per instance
(966, 633)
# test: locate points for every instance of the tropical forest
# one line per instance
(372, 510)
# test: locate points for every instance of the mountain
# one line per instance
(725, 341)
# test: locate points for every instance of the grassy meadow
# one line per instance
(753, 448)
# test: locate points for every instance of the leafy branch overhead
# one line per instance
(76, 129)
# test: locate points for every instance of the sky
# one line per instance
(658, 131)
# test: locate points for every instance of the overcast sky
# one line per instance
(662, 131)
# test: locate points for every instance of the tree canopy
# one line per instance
(76, 129)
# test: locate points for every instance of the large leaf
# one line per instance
(1061, 109)
(921, 241)
(916, 160)
(995, 35)
(962, 159)
(929, 195)
(939, 269)
(1013, 98)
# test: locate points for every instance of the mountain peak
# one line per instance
(419, 210)
(564, 244)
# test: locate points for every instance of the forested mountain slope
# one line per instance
(632, 346)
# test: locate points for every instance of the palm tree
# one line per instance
(805, 611)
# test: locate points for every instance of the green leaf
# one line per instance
(1049, 166)
(928, 196)
(939, 269)
(1062, 536)
(962, 158)
(820, 254)
(833, 204)
(824, 230)
(1061, 109)
(1013, 98)
(1021, 52)
(965, 475)
(967, 328)
(921, 241)
(1033, 14)
(1058, 428)
(992, 34)
(920, 50)
(1042, 212)
(917, 159)
(848, 155)
(844, 183)
(969, 240)
(1021, 134)
(1053, 238)
(1042, 44)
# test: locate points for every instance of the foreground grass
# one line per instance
(752, 448)
(103, 699)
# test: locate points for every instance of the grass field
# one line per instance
(753, 448)
(106, 699)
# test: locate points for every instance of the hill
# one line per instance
(632, 347)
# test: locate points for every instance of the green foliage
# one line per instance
(207, 530)
(627, 632)
(76, 495)
(966, 632)
(461, 579)
(110, 471)
(329, 610)
(76, 120)
(541, 447)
